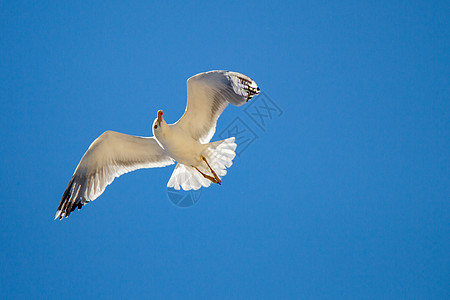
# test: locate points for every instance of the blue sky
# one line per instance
(343, 195)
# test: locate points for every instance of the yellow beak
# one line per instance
(160, 118)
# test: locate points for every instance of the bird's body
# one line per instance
(179, 145)
(187, 142)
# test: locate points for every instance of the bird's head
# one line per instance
(159, 121)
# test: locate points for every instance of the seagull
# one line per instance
(187, 142)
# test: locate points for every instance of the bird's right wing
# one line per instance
(110, 155)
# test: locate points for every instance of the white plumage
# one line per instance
(186, 142)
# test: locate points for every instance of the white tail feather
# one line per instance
(219, 155)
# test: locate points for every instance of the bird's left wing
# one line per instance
(110, 155)
(208, 95)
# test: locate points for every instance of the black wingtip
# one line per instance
(69, 201)
(252, 92)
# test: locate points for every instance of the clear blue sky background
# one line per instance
(346, 195)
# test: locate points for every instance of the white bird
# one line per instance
(186, 142)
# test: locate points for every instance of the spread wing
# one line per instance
(110, 155)
(208, 95)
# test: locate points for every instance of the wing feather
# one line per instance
(208, 95)
(109, 156)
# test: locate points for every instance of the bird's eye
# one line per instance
(156, 126)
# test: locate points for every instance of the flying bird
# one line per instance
(187, 142)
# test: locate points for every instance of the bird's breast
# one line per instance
(181, 147)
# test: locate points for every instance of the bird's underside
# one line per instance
(187, 142)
